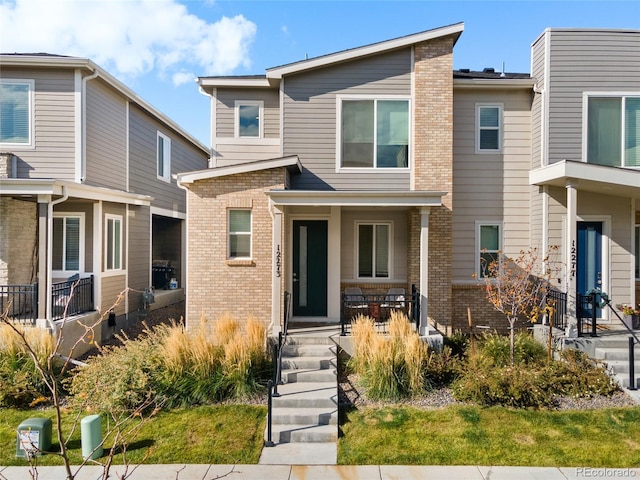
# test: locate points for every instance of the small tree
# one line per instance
(518, 288)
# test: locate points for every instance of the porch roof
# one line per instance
(29, 187)
(357, 198)
(621, 182)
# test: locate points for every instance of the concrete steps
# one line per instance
(615, 354)
(305, 412)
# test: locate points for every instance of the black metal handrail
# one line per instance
(71, 297)
(20, 302)
(587, 309)
(558, 301)
(272, 385)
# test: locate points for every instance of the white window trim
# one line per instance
(248, 103)
(66, 273)
(166, 158)
(339, 100)
(108, 217)
(500, 107)
(356, 260)
(229, 233)
(31, 143)
(486, 223)
(585, 121)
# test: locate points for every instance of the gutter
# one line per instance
(64, 198)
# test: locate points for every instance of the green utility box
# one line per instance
(34, 437)
(91, 437)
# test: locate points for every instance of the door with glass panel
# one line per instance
(589, 251)
(310, 268)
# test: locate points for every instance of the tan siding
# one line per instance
(112, 287)
(54, 125)
(310, 118)
(231, 154)
(142, 161)
(225, 110)
(106, 136)
(585, 61)
(138, 261)
(490, 187)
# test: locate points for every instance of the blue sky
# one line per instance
(157, 47)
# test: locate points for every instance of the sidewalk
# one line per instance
(328, 472)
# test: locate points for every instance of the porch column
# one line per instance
(424, 269)
(277, 271)
(571, 246)
(43, 258)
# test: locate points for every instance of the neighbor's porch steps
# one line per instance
(615, 353)
(305, 415)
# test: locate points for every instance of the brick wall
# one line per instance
(18, 237)
(433, 166)
(219, 286)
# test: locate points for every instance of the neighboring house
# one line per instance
(381, 167)
(86, 188)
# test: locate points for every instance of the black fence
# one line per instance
(20, 303)
(71, 297)
(558, 301)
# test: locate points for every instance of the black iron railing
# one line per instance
(557, 300)
(378, 307)
(71, 297)
(20, 303)
(272, 385)
(587, 306)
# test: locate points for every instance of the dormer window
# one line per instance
(374, 133)
(249, 119)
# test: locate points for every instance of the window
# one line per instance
(113, 243)
(374, 134)
(613, 131)
(68, 242)
(637, 251)
(489, 123)
(16, 107)
(164, 157)
(374, 248)
(249, 119)
(489, 242)
(239, 234)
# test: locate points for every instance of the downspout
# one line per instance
(185, 264)
(83, 159)
(64, 198)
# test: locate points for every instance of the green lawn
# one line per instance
(491, 436)
(210, 434)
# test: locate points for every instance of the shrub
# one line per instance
(577, 375)
(527, 351)
(458, 342)
(442, 368)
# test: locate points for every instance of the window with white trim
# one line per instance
(374, 133)
(239, 229)
(489, 245)
(68, 243)
(249, 119)
(374, 250)
(16, 112)
(637, 251)
(489, 128)
(163, 157)
(113, 242)
(613, 130)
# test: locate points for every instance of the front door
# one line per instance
(589, 268)
(310, 268)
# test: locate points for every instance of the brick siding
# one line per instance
(18, 237)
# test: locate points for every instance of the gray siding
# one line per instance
(310, 119)
(142, 161)
(106, 136)
(53, 129)
(537, 109)
(583, 61)
(139, 259)
(490, 187)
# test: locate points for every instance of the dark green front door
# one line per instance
(310, 268)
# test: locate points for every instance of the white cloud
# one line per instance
(128, 37)
(180, 78)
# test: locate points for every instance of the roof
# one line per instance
(490, 78)
(291, 162)
(275, 74)
(63, 61)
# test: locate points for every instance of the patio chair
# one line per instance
(394, 300)
(354, 302)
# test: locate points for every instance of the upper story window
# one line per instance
(374, 133)
(113, 243)
(613, 130)
(489, 128)
(68, 242)
(239, 233)
(163, 160)
(249, 119)
(637, 251)
(374, 250)
(489, 245)
(16, 112)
